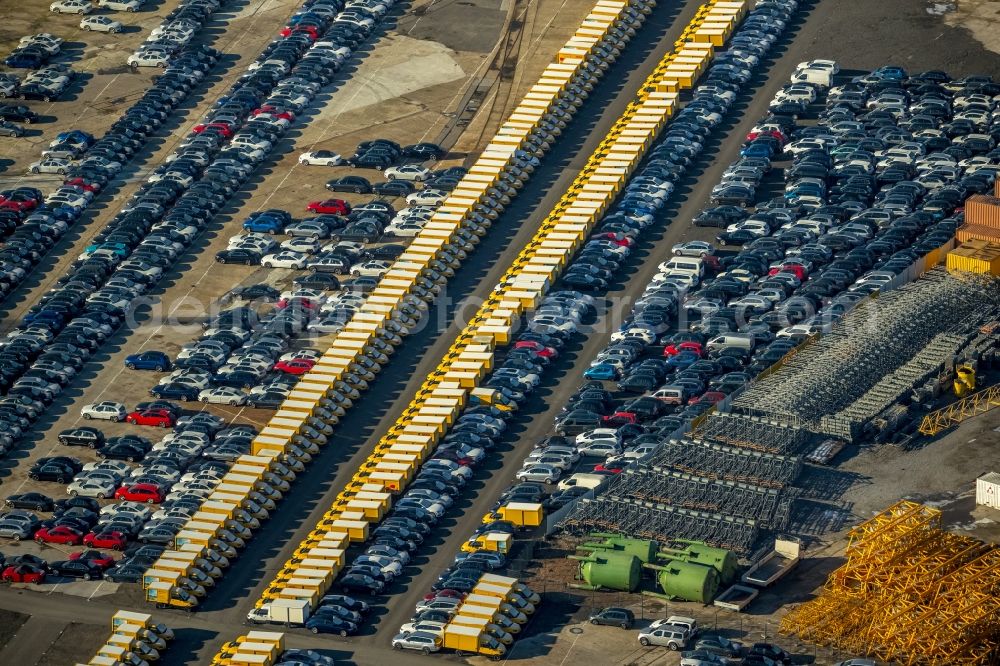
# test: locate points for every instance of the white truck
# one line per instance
(290, 612)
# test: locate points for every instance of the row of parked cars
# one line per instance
(129, 255)
(176, 473)
(34, 51)
(175, 31)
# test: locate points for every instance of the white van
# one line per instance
(732, 341)
(582, 480)
(685, 265)
(817, 77)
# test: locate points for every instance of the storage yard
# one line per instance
(620, 331)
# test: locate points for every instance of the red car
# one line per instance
(445, 593)
(23, 573)
(109, 539)
(711, 397)
(22, 206)
(795, 269)
(160, 418)
(224, 128)
(83, 184)
(771, 133)
(95, 557)
(618, 239)
(306, 303)
(307, 29)
(299, 366)
(675, 348)
(537, 347)
(59, 534)
(332, 206)
(275, 111)
(613, 468)
(140, 492)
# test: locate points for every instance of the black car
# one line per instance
(121, 451)
(424, 151)
(76, 569)
(34, 501)
(88, 503)
(238, 256)
(125, 572)
(394, 188)
(355, 184)
(324, 281)
(361, 583)
(84, 436)
(614, 617)
(390, 251)
(20, 113)
(771, 652)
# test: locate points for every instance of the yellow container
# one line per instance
(981, 257)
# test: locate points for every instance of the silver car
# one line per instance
(418, 640)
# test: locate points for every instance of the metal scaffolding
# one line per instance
(955, 413)
(909, 592)
(661, 522)
(689, 491)
(871, 342)
(729, 463)
(773, 434)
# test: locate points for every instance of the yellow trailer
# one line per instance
(522, 514)
(462, 638)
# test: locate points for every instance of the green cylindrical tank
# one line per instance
(687, 581)
(644, 549)
(611, 570)
(697, 552)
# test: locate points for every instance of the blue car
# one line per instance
(601, 371)
(118, 248)
(264, 225)
(24, 61)
(683, 360)
(76, 137)
(174, 391)
(148, 360)
(757, 150)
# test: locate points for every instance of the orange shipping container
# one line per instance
(996, 188)
(983, 209)
(968, 232)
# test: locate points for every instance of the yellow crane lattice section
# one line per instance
(910, 593)
(966, 408)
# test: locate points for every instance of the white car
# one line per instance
(108, 410)
(303, 245)
(539, 473)
(118, 467)
(100, 488)
(100, 24)
(148, 59)
(404, 229)
(411, 172)
(321, 158)
(223, 395)
(286, 259)
(374, 268)
(50, 165)
(427, 627)
(693, 249)
(429, 197)
(121, 5)
(601, 449)
(71, 7)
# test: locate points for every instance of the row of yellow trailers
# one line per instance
(495, 605)
(397, 458)
(213, 535)
(288, 437)
(454, 384)
(135, 640)
(255, 648)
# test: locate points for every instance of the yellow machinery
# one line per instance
(955, 413)
(965, 380)
(909, 593)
